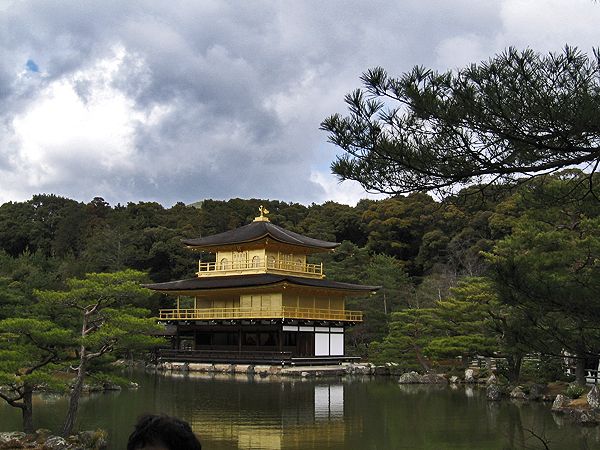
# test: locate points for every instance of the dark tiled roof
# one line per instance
(239, 281)
(259, 230)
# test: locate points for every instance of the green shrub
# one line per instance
(574, 391)
(545, 369)
(552, 368)
(530, 370)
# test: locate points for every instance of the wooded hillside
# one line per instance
(456, 276)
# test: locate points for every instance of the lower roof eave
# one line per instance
(206, 285)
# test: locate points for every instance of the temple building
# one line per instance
(259, 301)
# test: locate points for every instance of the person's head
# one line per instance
(160, 432)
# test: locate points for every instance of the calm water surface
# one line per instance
(237, 412)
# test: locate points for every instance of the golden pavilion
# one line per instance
(260, 301)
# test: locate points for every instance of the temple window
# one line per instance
(251, 339)
(268, 339)
(239, 260)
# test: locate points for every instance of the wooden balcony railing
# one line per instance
(259, 265)
(284, 312)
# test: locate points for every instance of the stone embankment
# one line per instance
(428, 378)
(265, 371)
(44, 440)
(583, 409)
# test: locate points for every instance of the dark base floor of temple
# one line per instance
(256, 342)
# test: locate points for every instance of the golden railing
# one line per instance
(260, 264)
(285, 312)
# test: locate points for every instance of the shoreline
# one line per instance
(267, 370)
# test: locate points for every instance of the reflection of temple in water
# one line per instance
(293, 414)
(329, 402)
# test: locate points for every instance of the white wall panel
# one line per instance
(321, 344)
(337, 344)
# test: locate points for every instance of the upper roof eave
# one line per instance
(256, 231)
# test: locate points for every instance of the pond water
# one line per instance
(239, 412)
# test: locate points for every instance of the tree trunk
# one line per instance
(580, 352)
(422, 360)
(78, 386)
(514, 367)
(27, 410)
(465, 361)
(384, 304)
(75, 396)
(580, 371)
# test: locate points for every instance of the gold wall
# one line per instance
(222, 301)
(314, 301)
(261, 301)
(268, 301)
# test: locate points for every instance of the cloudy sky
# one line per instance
(186, 100)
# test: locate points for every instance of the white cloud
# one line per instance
(346, 192)
(547, 25)
(77, 133)
(459, 51)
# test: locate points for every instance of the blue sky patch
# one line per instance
(32, 66)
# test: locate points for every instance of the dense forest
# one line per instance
(508, 274)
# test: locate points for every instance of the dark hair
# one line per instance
(170, 432)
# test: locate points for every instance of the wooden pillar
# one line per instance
(280, 333)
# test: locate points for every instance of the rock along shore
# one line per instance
(43, 439)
